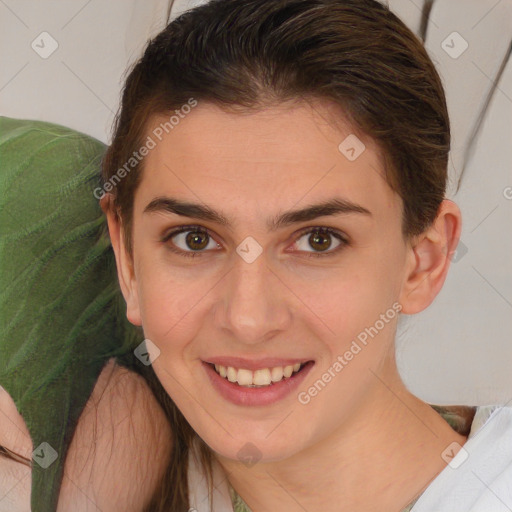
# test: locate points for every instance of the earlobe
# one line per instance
(124, 263)
(429, 259)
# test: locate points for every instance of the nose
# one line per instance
(254, 303)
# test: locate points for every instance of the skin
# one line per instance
(120, 473)
(364, 431)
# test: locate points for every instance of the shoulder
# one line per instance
(121, 446)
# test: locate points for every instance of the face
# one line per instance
(256, 287)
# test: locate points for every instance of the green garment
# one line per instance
(61, 310)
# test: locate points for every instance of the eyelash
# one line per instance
(316, 229)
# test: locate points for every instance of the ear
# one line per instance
(429, 259)
(124, 262)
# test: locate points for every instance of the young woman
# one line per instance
(275, 197)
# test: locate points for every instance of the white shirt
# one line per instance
(479, 477)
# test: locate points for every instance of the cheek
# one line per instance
(172, 303)
(161, 299)
(353, 301)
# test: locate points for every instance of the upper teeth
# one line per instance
(262, 377)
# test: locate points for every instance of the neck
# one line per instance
(382, 458)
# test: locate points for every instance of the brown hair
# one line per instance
(248, 55)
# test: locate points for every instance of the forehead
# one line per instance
(282, 155)
(296, 132)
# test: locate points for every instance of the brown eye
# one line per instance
(197, 240)
(320, 239)
(189, 241)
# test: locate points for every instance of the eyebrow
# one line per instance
(333, 206)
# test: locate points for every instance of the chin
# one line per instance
(251, 449)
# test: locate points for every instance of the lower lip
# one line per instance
(240, 395)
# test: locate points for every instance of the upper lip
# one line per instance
(255, 364)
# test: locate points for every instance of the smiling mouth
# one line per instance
(264, 377)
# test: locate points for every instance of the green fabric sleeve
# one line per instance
(61, 311)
